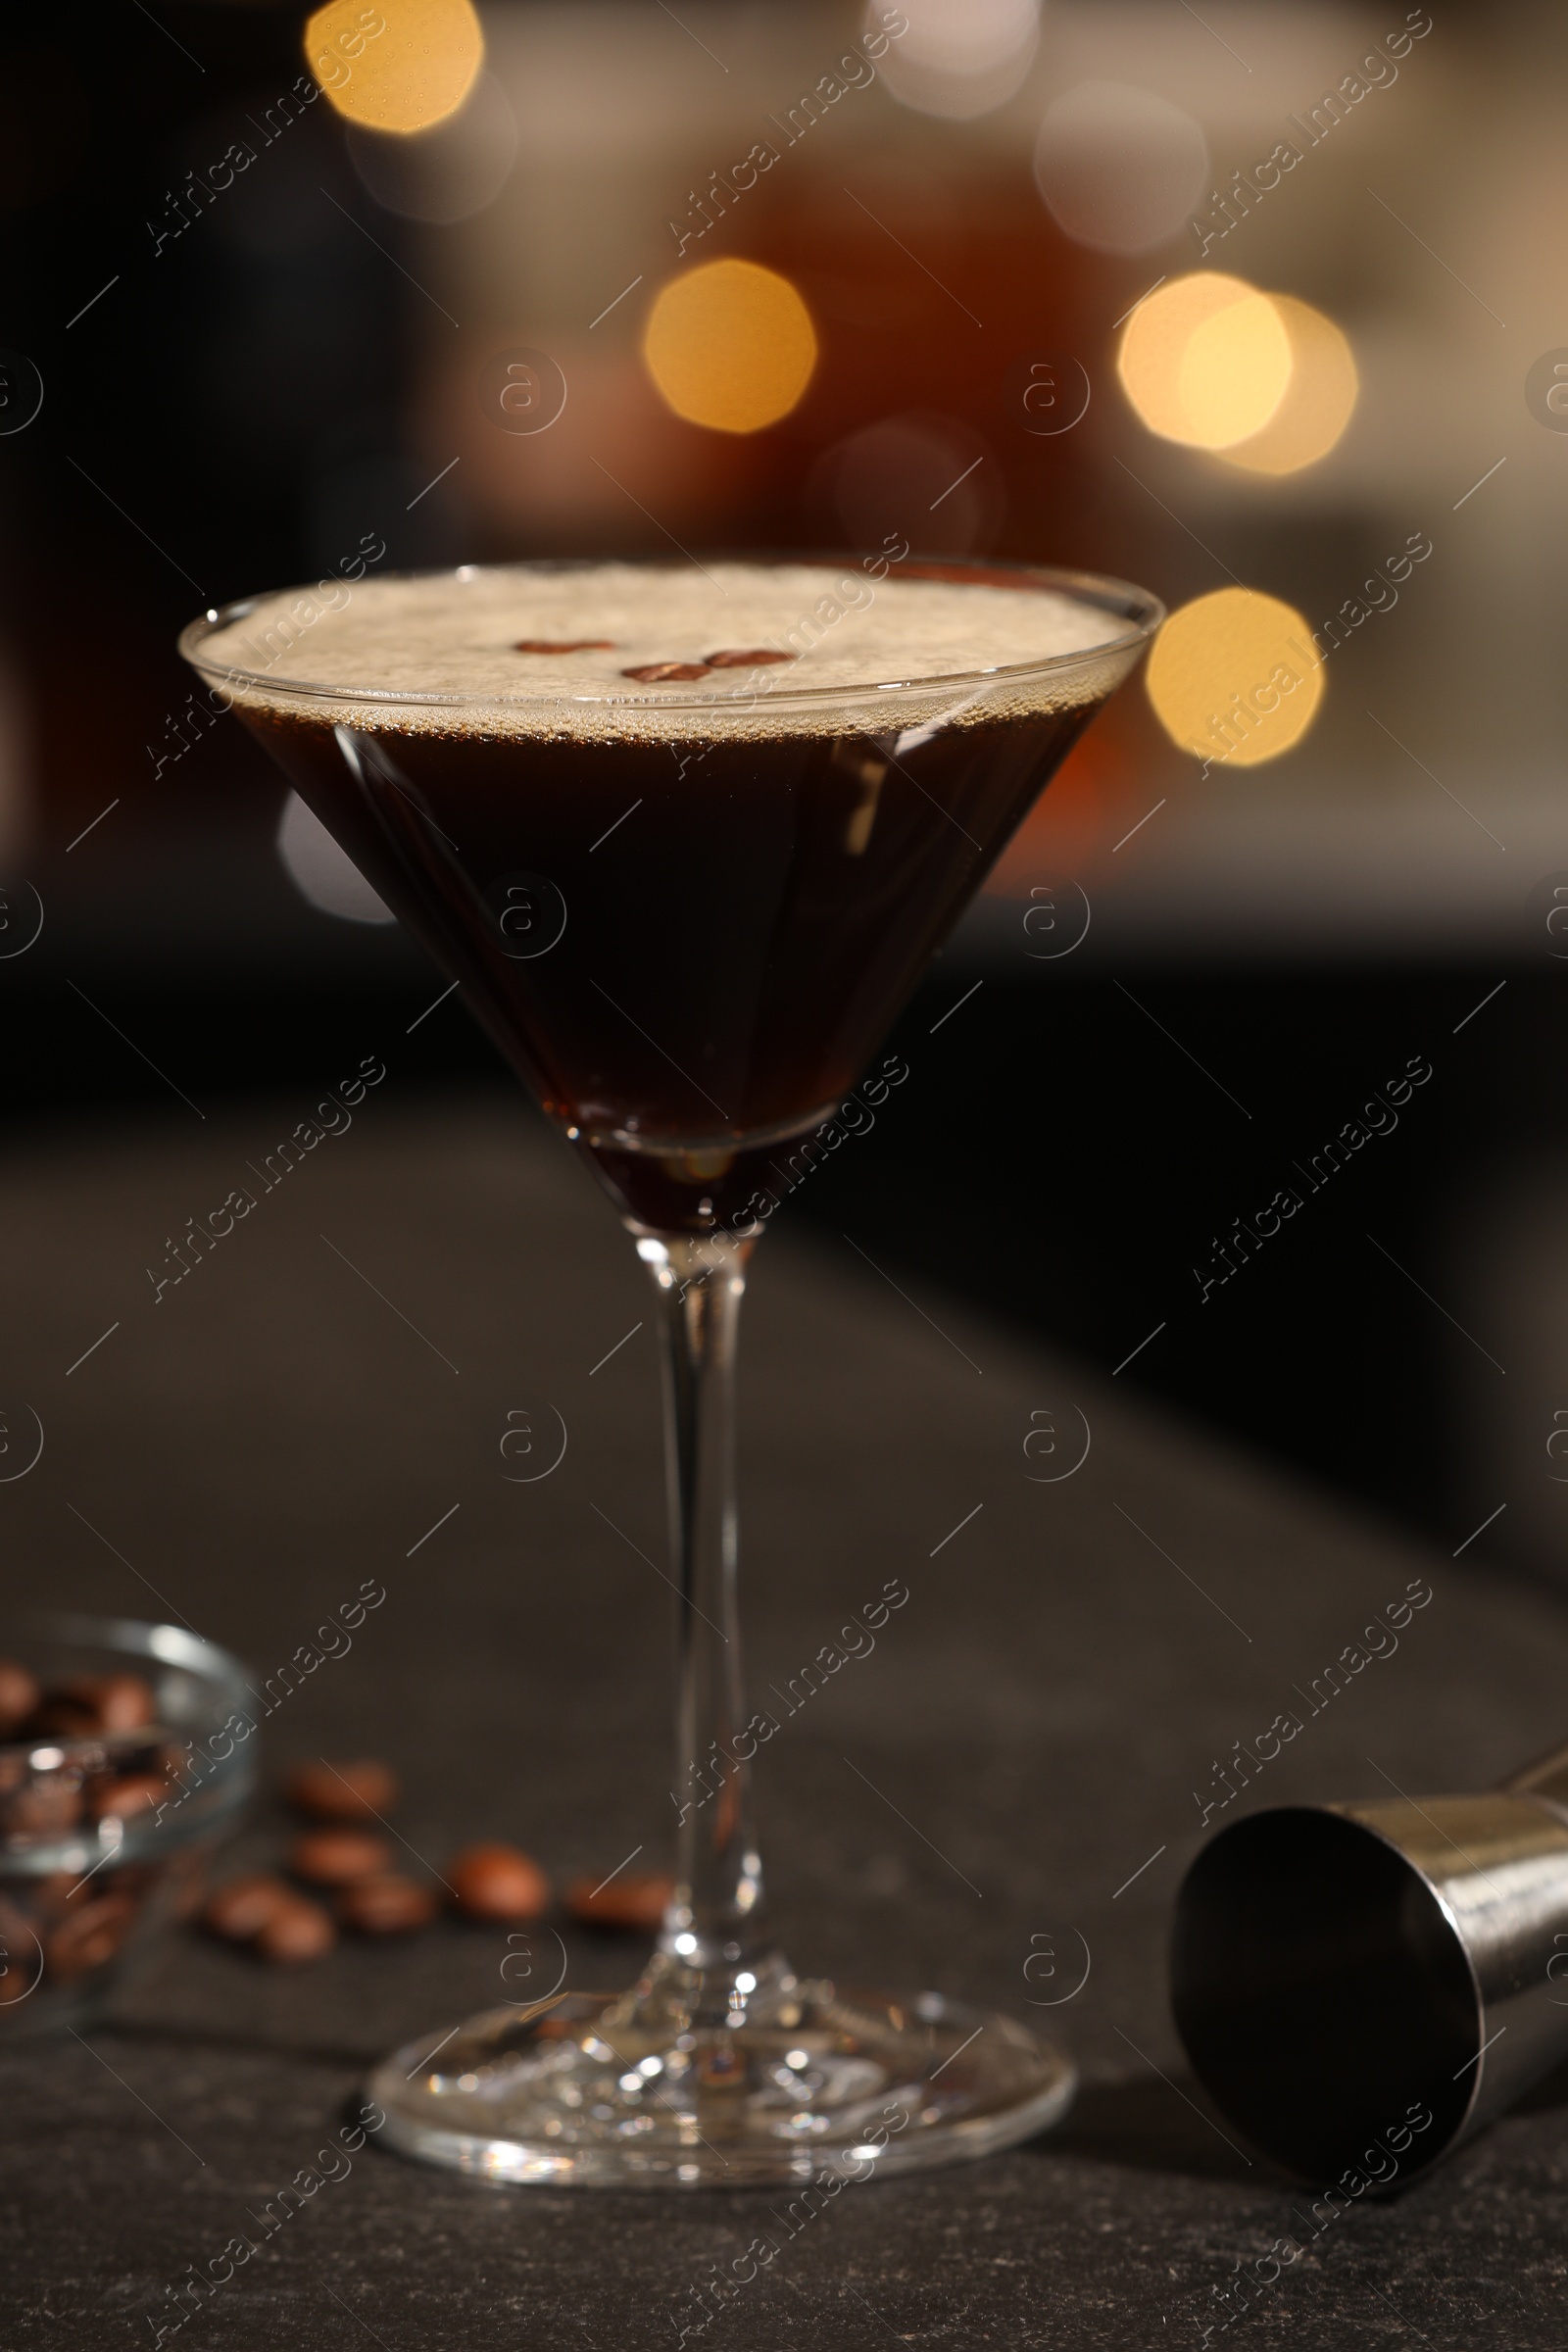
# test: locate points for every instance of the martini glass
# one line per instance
(687, 913)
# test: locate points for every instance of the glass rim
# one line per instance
(1138, 608)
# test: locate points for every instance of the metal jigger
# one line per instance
(1338, 1970)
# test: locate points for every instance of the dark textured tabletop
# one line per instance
(322, 1400)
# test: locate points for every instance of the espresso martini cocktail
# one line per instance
(687, 836)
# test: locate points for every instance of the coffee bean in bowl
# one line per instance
(41, 1802)
(19, 1695)
(124, 1756)
(89, 1935)
(86, 1704)
(121, 1798)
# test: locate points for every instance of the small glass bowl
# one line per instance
(84, 1887)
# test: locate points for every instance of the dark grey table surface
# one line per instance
(1072, 1660)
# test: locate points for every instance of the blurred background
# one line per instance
(1259, 303)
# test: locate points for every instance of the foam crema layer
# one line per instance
(851, 648)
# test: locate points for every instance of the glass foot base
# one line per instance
(841, 2084)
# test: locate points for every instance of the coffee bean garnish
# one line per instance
(566, 645)
(730, 656)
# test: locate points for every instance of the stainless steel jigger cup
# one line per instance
(1340, 1972)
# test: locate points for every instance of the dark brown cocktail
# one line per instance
(686, 930)
(687, 836)
(687, 950)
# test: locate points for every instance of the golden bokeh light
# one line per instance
(1233, 372)
(1318, 402)
(1263, 381)
(730, 345)
(398, 65)
(1205, 360)
(1235, 677)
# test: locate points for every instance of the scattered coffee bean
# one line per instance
(343, 1791)
(19, 1697)
(660, 673)
(568, 645)
(732, 657)
(497, 1882)
(242, 1908)
(298, 1930)
(387, 1905)
(634, 1899)
(134, 1793)
(338, 1857)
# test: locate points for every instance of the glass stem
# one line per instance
(713, 1927)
